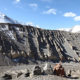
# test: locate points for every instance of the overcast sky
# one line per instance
(48, 14)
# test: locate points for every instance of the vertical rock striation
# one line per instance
(21, 43)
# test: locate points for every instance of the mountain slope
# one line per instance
(28, 44)
(25, 44)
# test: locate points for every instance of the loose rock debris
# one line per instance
(37, 70)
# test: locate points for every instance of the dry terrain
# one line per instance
(67, 66)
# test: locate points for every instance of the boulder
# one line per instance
(7, 77)
(24, 72)
(10, 75)
(59, 70)
(68, 73)
(27, 74)
(47, 70)
(37, 70)
(75, 74)
(13, 74)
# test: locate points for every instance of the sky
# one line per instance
(46, 14)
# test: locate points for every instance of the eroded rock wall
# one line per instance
(23, 43)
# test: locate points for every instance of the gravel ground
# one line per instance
(67, 66)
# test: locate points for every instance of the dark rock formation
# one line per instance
(37, 70)
(7, 77)
(21, 44)
(59, 70)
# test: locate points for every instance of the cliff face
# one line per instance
(25, 43)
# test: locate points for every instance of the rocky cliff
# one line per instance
(24, 44)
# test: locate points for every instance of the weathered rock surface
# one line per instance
(74, 67)
(37, 70)
(24, 44)
(59, 70)
(47, 69)
(75, 74)
(14, 74)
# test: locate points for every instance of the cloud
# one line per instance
(33, 5)
(73, 15)
(69, 14)
(17, 1)
(77, 18)
(50, 11)
(74, 29)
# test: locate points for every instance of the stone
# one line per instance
(7, 77)
(47, 70)
(37, 70)
(13, 74)
(10, 75)
(75, 74)
(19, 74)
(27, 74)
(68, 73)
(24, 72)
(59, 70)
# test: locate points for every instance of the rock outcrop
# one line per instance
(48, 70)
(22, 44)
(59, 70)
(37, 70)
